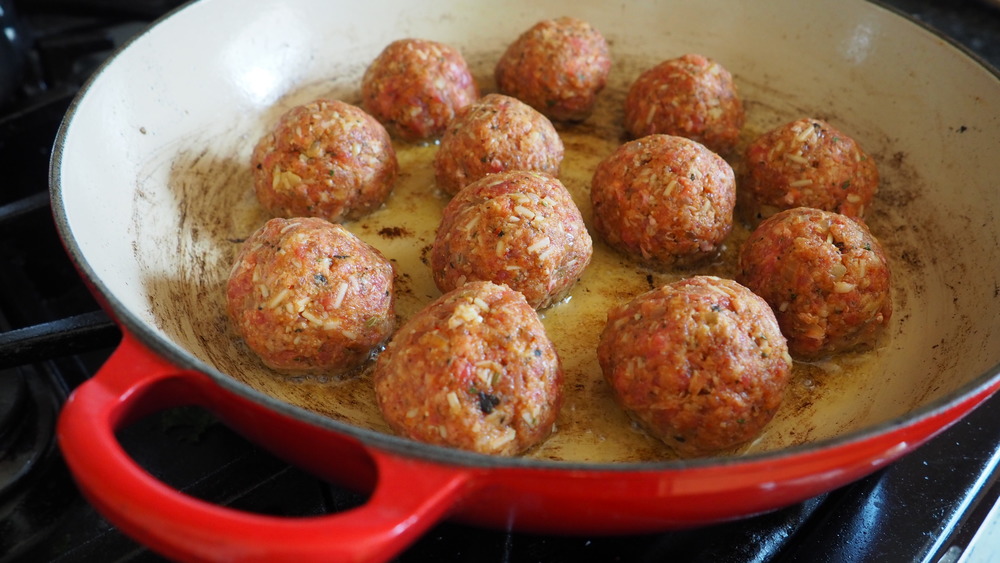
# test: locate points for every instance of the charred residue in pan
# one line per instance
(394, 232)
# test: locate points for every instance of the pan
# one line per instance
(152, 195)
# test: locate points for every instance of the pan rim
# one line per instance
(438, 454)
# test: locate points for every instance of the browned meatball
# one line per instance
(825, 276)
(690, 96)
(699, 363)
(307, 295)
(805, 163)
(324, 159)
(664, 200)
(495, 134)
(473, 370)
(557, 67)
(415, 87)
(519, 228)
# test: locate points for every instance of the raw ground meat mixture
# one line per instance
(699, 363)
(473, 370)
(517, 228)
(691, 96)
(805, 163)
(825, 276)
(325, 159)
(416, 87)
(306, 295)
(558, 67)
(496, 134)
(664, 200)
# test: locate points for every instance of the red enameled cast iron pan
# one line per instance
(152, 196)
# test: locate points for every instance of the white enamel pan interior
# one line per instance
(152, 195)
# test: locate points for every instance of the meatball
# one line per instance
(519, 228)
(805, 163)
(825, 276)
(557, 67)
(472, 370)
(690, 96)
(324, 159)
(308, 296)
(495, 134)
(664, 200)
(415, 87)
(699, 363)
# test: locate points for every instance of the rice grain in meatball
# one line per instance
(521, 229)
(664, 200)
(826, 277)
(416, 87)
(473, 370)
(325, 159)
(806, 163)
(691, 96)
(496, 134)
(699, 363)
(557, 66)
(306, 295)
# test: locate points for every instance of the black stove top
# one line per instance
(925, 507)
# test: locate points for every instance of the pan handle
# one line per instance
(408, 496)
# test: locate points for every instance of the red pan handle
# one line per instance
(408, 496)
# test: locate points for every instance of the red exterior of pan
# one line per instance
(410, 492)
